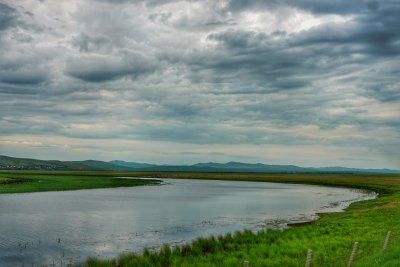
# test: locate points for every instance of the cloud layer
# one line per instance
(300, 82)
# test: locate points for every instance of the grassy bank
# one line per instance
(331, 238)
(20, 182)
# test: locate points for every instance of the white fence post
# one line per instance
(309, 256)
(386, 240)
(246, 264)
(353, 253)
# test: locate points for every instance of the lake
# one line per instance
(67, 227)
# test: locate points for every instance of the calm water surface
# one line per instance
(65, 227)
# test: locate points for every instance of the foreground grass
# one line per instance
(15, 182)
(331, 238)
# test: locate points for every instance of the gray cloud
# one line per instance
(8, 17)
(23, 76)
(204, 73)
(102, 68)
(314, 6)
(87, 43)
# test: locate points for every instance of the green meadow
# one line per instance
(4, 180)
(20, 182)
(331, 238)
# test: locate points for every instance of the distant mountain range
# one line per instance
(11, 163)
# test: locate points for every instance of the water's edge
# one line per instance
(277, 224)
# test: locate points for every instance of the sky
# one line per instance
(304, 82)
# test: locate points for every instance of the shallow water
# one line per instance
(66, 227)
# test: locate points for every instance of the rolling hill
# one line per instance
(11, 163)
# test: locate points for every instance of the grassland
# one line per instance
(331, 237)
(20, 182)
(4, 180)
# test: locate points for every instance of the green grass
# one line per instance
(15, 182)
(4, 180)
(331, 238)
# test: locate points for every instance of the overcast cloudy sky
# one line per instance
(308, 82)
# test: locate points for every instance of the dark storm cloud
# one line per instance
(253, 61)
(96, 71)
(8, 16)
(314, 6)
(100, 68)
(376, 35)
(384, 91)
(24, 76)
(23, 67)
